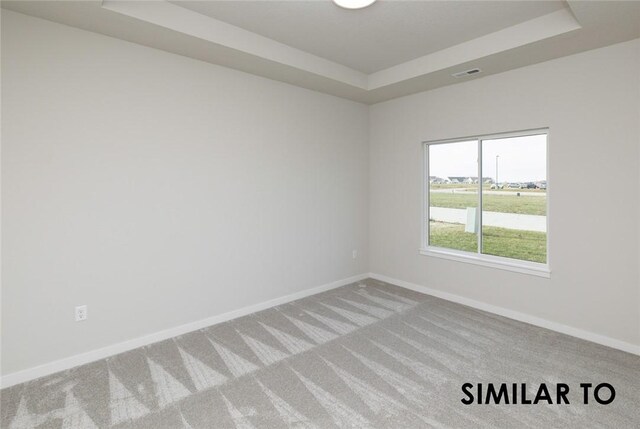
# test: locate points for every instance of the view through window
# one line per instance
(495, 207)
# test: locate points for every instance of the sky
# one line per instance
(520, 159)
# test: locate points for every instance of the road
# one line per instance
(502, 220)
(523, 193)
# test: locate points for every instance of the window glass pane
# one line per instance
(514, 198)
(453, 195)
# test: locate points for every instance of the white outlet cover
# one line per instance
(81, 313)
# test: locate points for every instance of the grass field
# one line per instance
(509, 243)
(508, 203)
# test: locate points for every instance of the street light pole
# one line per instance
(497, 156)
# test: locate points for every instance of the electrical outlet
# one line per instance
(81, 313)
(354, 254)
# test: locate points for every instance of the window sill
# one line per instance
(533, 269)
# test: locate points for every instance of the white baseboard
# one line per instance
(91, 356)
(516, 315)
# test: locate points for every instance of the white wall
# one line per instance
(144, 183)
(160, 190)
(591, 103)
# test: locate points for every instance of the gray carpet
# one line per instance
(364, 355)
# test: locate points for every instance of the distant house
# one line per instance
(469, 180)
(457, 179)
(438, 180)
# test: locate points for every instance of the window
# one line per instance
(486, 201)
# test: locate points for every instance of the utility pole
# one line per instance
(497, 156)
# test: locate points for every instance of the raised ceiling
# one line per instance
(375, 38)
(391, 49)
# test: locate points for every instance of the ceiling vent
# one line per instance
(467, 73)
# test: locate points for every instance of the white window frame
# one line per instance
(478, 258)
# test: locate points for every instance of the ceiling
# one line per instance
(375, 38)
(388, 50)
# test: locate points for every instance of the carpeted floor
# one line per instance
(367, 355)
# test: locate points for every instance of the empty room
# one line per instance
(320, 214)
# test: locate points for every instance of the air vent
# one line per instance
(467, 73)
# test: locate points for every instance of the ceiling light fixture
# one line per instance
(354, 4)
